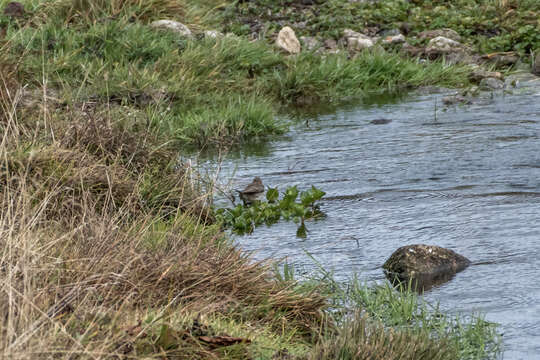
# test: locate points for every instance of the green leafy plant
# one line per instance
(294, 205)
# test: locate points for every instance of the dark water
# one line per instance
(468, 180)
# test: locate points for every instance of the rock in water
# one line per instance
(287, 41)
(491, 84)
(424, 265)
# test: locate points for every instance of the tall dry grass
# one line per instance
(98, 230)
(96, 10)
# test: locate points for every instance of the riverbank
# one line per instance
(109, 245)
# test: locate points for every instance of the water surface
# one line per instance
(467, 179)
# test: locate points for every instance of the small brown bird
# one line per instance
(252, 192)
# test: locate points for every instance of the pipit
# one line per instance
(252, 192)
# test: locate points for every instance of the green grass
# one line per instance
(471, 336)
(206, 93)
(486, 25)
(460, 336)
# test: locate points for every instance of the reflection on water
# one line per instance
(467, 179)
(419, 283)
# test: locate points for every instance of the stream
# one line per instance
(463, 177)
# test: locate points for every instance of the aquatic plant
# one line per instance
(244, 219)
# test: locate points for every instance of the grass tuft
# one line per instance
(361, 339)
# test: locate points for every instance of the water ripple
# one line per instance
(469, 181)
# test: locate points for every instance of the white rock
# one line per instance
(395, 39)
(213, 34)
(357, 44)
(357, 41)
(175, 26)
(351, 33)
(447, 33)
(287, 41)
(442, 44)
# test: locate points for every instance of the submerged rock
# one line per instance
(175, 26)
(287, 41)
(425, 265)
(456, 99)
(381, 121)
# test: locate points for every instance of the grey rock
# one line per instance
(447, 33)
(443, 45)
(330, 44)
(501, 59)
(381, 121)
(491, 84)
(478, 75)
(356, 41)
(395, 39)
(456, 99)
(391, 32)
(428, 265)
(310, 43)
(454, 52)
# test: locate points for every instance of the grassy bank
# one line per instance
(201, 92)
(109, 248)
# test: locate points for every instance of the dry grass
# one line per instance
(87, 249)
(92, 10)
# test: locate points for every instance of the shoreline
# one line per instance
(110, 248)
